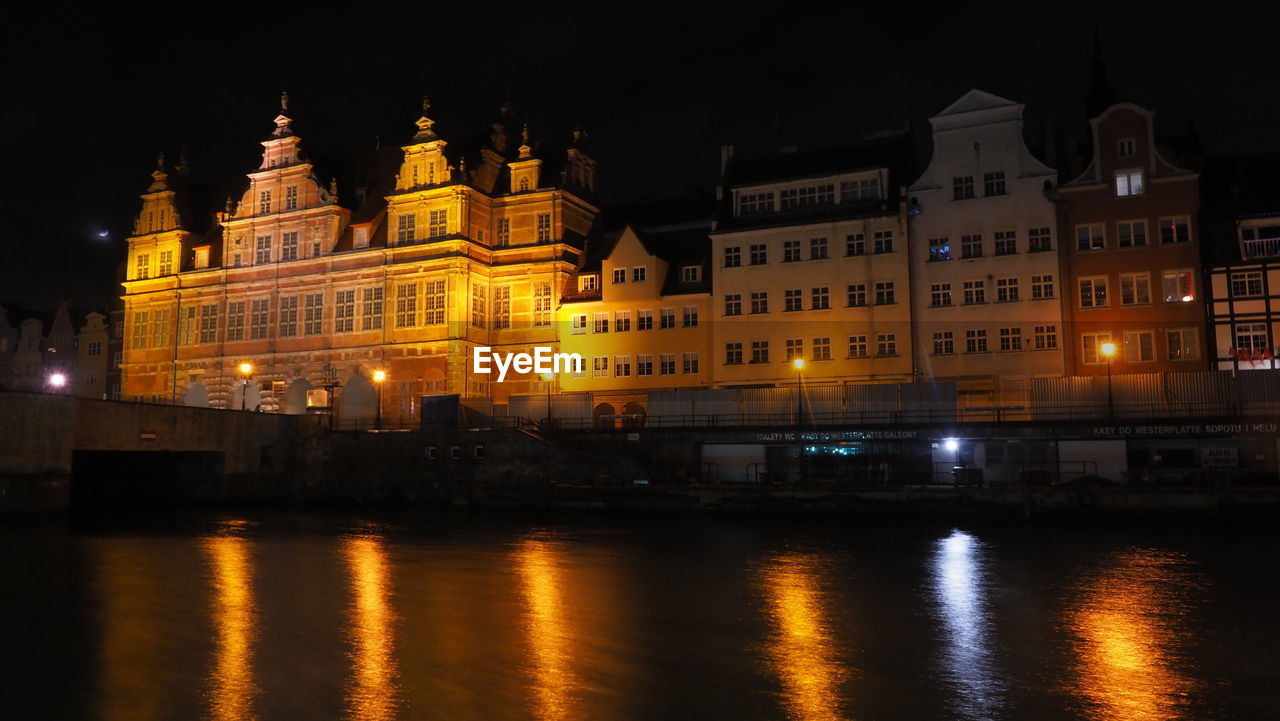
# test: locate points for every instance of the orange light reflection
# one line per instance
(548, 629)
(231, 682)
(372, 694)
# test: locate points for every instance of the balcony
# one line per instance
(1260, 248)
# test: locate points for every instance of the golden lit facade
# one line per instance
(312, 294)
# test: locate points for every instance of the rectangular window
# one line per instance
(1139, 346)
(1091, 237)
(291, 198)
(820, 298)
(1175, 230)
(344, 311)
(644, 320)
(759, 254)
(1010, 339)
(1091, 347)
(1183, 344)
(1131, 234)
(817, 248)
(733, 256)
(1006, 242)
(940, 294)
(883, 242)
(1246, 284)
(666, 318)
(1251, 337)
(1007, 290)
(795, 348)
(760, 302)
(160, 328)
(187, 321)
(599, 322)
(200, 258)
(1046, 337)
(1093, 292)
(1129, 182)
(971, 246)
(733, 304)
(407, 305)
(142, 266)
(587, 282)
(544, 228)
(939, 249)
(732, 354)
(1039, 240)
(944, 343)
(851, 191)
(405, 230)
(1178, 286)
(962, 187)
(288, 322)
(667, 364)
(855, 245)
(975, 292)
(691, 316)
(289, 246)
(754, 203)
(264, 201)
(501, 307)
(644, 364)
(1041, 287)
(885, 292)
(262, 253)
(791, 300)
(975, 340)
(166, 262)
(1135, 289)
(371, 308)
(578, 323)
(541, 304)
(886, 344)
(258, 316)
(857, 346)
(209, 323)
(622, 321)
(790, 251)
(95, 348)
(1124, 148)
(313, 318)
(600, 367)
(236, 320)
(690, 363)
(690, 273)
(759, 351)
(619, 275)
(141, 329)
(433, 302)
(857, 295)
(821, 349)
(639, 274)
(993, 184)
(622, 366)
(504, 232)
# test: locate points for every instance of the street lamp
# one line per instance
(246, 369)
(378, 378)
(798, 364)
(1109, 350)
(548, 378)
(57, 381)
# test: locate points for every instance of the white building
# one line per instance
(985, 273)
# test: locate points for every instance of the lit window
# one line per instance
(939, 249)
(1129, 182)
(1178, 287)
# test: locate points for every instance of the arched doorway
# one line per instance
(295, 397)
(633, 415)
(245, 396)
(603, 416)
(358, 400)
(197, 396)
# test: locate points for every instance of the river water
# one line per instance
(445, 617)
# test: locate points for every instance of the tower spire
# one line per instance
(425, 124)
(159, 178)
(283, 120)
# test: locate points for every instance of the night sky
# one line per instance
(91, 97)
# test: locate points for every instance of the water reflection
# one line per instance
(231, 682)
(1128, 627)
(802, 649)
(133, 657)
(959, 582)
(547, 627)
(372, 694)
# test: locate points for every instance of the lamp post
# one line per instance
(548, 378)
(246, 369)
(57, 381)
(798, 364)
(378, 378)
(1108, 349)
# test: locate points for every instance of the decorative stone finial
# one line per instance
(525, 150)
(333, 189)
(160, 162)
(284, 102)
(426, 105)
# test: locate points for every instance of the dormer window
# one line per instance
(690, 273)
(588, 282)
(1129, 182)
(200, 258)
(1125, 148)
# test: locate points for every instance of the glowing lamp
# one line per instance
(1187, 298)
(797, 363)
(1108, 349)
(246, 368)
(951, 444)
(57, 380)
(379, 376)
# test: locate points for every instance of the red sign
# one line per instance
(148, 436)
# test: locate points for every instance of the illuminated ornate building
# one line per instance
(458, 250)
